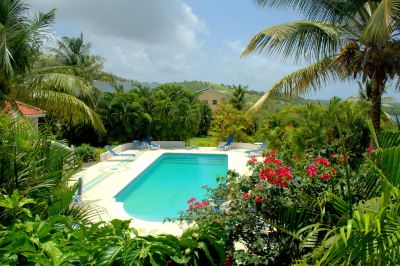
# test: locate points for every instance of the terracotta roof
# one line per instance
(26, 109)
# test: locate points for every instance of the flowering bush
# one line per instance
(322, 168)
(251, 207)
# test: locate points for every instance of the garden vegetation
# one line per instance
(325, 192)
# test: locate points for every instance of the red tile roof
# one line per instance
(26, 109)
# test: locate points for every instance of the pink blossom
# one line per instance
(191, 200)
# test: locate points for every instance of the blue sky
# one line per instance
(176, 40)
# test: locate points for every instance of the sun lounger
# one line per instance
(110, 150)
(259, 150)
(140, 145)
(226, 146)
(152, 146)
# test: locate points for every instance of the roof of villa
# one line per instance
(210, 89)
(26, 109)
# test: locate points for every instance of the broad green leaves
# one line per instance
(59, 241)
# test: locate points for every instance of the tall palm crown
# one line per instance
(342, 39)
(237, 99)
(55, 89)
(21, 38)
(73, 51)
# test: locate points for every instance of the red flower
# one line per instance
(295, 158)
(325, 176)
(253, 160)
(191, 207)
(258, 199)
(246, 195)
(312, 171)
(191, 200)
(205, 203)
(198, 204)
(319, 160)
(370, 150)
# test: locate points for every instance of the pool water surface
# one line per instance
(164, 188)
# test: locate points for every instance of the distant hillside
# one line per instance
(126, 84)
(199, 85)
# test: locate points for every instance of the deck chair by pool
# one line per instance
(110, 150)
(152, 146)
(140, 145)
(226, 146)
(259, 150)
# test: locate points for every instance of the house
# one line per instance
(212, 97)
(32, 113)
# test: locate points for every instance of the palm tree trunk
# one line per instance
(376, 98)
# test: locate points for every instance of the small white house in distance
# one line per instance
(32, 113)
(212, 97)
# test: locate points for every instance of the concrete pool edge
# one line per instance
(104, 192)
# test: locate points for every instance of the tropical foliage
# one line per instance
(309, 209)
(86, 152)
(228, 120)
(40, 224)
(238, 97)
(341, 39)
(323, 128)
(60, 241)
(55, 89)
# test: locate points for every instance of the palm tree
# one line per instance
(343, 40)
(55, 89)
(237, 99)
(74, 52)
(363, 100)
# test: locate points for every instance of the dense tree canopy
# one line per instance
(55, 89)
(342, 40)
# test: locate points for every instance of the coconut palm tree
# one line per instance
(341, 39)
(237, 99)
(55, 89)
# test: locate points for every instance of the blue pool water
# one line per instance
(164, 188)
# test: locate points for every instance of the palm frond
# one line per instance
(59, 82)
(390, 139)
(40, 26)
(62, 103)
(321, 10)
(388, 162)
(302, 81)
(381, 25)
(309, 39)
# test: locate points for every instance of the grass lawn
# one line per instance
(203, 141)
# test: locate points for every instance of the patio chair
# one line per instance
(226, 146)
(140, 145)
(259, 150)
(110, 150)
(152, 146)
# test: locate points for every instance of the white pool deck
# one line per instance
(102, 181)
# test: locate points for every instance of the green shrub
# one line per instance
(86, 152)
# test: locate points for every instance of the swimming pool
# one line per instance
(163, 188)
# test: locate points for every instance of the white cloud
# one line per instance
(140, 39)
(258, 71)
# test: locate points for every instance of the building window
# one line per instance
(205, 101)
(214, 102)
